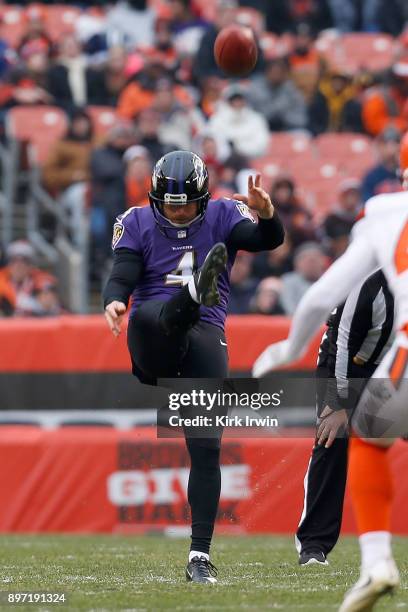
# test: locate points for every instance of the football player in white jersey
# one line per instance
(379, 239)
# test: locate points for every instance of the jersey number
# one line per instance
(184, 271)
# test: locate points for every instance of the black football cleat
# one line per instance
(316, 557)
(205, 279)
(199, 569)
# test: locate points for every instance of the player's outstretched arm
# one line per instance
(257, 199)
(114, 313)
(268, 233)
(331, 289)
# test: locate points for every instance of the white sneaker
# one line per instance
(381, 579)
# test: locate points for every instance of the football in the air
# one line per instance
(235, 50)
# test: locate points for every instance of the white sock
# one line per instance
(374, 546)
(192, 290)
(197, 553)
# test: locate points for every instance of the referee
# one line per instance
(355, 342)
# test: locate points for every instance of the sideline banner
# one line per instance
(73, 362)
(82, 344)
(88, 479)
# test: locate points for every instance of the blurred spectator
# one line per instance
(47, 300)
(187, 25)
(245, 128)
(276, 96)
(70, 79)
(34, 17)
(108, 188)
(383, 177)
(368, 15)
(305, 61)
(204, 62)
(337, 225)
(7, 58)
(233, 175)
(281, 15)
(309, 265)
(266, 300)
(276, 262)
(211, 93)
(68, 160)
(162, 50)
(131, 22)
(139, 94)
(178, 123)
(392, 15)
(334, 108)
(315, 12)
(243, 285)
(215, 151)
(148, 127)
(106, 85)
(296, 219)
(138, 175)
(7, 296)
(29, 81)
(387, 104)
(20, 281)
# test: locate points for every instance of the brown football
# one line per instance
(235, 50)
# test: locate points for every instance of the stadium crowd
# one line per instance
(153, 65)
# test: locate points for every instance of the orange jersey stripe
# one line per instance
(401, 252)
(399, 365)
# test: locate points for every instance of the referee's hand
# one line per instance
(114, 313)
(331, 424)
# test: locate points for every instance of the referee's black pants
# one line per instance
(326, 475)
(168, 340)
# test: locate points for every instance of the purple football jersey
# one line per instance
(169, 262)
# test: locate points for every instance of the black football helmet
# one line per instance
(178, 178)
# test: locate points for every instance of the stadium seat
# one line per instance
(12, 24)
(61, 19)
(346, 146)
(310, 169)
(321, 194)
(284, 145)
(103, 118)
(40, 126)
(357, 50)
(268, 168)
(369, 50)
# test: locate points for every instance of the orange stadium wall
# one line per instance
(82, 479)
(96, 479)
(84, 344)
(74, 362)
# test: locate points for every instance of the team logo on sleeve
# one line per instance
(245, 211)
(118, 230)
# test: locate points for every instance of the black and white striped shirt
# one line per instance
(359, 331)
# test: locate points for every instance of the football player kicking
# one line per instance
(379, 239)
(173, 259)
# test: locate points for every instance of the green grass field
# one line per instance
(147, 573)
